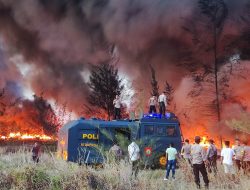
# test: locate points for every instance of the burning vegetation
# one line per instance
(26, 136)
(28, 120)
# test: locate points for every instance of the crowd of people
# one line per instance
(200, 160)
(203, 160)
(197, 158)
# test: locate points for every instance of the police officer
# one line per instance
(116, 151)
(186, 151)
(162, 103)
(212, 157)
(134, 157)
(117, 105)
(152, 104)
(198, 158)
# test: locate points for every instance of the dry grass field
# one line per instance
(17, 171)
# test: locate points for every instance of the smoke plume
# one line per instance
(61, 39)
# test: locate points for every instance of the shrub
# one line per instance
(6, 181)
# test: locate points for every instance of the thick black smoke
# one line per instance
(60, 39)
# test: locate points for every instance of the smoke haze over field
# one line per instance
(47, 46)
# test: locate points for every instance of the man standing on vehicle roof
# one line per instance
(134, 157)
(117, 105)
(198, 158)
(162, 103)
(152, 104)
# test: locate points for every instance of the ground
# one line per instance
(17, 171)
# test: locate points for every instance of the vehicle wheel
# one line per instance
(162, 162)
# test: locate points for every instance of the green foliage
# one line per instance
(36, 178)
(56, 182)
(104, 85)
(122, 142)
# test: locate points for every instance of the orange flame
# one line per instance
(26, 136)
(204, 142)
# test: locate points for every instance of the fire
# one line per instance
(204, 142)
(26, 136)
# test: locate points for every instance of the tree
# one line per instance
(2, 104)
(46, 115)
(104, 84)
(244, 37)
(154, 83)
(210, 53)
(216, 11)
(208, 60)
(169, 89)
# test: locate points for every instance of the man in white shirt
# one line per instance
(162, 103)
(134, 157)
(171, 154)
(117, 105)
(152, 104)
(227, 155)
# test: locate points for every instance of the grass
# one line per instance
(17, 171)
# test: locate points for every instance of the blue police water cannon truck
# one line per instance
(85, 141)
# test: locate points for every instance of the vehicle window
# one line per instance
(149, 130)
(165, 130)
(161, 130)
(170, 131)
